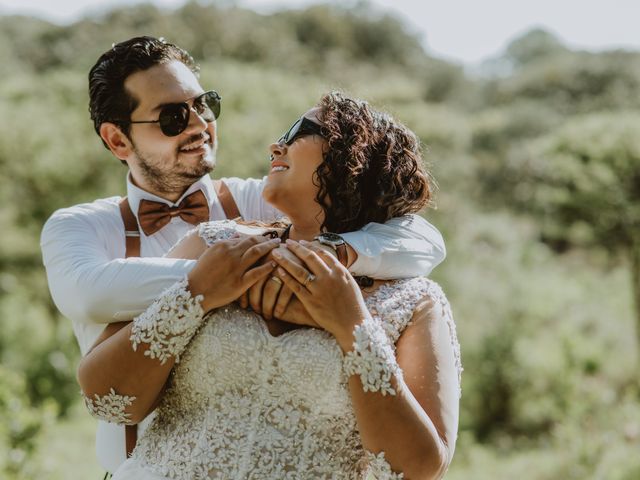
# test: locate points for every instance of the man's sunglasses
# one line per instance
(174, 117)
(303, 126)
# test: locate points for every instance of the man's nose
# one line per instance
(196, 124)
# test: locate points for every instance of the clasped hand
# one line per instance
(310, 287)
(326, 289)
(230, 267)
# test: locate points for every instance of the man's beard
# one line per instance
(168, 180)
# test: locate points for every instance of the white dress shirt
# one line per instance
(93, 284)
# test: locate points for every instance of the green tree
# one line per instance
(534, 45)
(585, 181)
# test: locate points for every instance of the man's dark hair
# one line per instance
(108, 99)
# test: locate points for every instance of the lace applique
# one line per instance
(169, 323)
(372, 358)
(110, 408)
(212, 232)
(394, 303)
(440, 301)
(376, 467)
(245, 404)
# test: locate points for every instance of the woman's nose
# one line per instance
(277, 149)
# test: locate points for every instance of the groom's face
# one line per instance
(158, 162)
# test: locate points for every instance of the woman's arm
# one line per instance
(410, 409)
(121, 385)
(190, 247)
(124, 373)
(417, 427)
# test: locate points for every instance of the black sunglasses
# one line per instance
(303, 126)
(174, 117)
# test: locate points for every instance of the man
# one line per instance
(151, 113)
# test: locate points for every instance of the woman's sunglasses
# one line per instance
(174, 117)
(303, 126)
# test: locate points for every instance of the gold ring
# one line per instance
(277, 280)
(310, 278)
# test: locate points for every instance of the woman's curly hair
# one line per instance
(372, 169)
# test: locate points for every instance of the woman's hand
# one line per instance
(326, 289)
(227, 268)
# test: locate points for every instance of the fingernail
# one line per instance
(303, 242)
(275, 240)
(277, 254)
(281, 271)
(290, 242)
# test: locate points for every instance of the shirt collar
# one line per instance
(135, 194)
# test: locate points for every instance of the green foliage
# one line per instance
(586, 177)
(20, 425)
(535, 45)
(574, 82)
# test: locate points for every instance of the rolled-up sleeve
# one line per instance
(402, 247)
(89, 285)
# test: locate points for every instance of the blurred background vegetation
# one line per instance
(538, 162)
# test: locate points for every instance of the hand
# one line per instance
(296, 313)
(269, 296)
(227, 268)
(326, 289)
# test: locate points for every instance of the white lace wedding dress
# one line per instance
(244, 404)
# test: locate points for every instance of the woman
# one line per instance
(373, 390)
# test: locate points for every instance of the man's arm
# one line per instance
(402, 247)
(87, 283)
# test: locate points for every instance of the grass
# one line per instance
(67, 449)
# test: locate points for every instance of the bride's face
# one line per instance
(290, 185)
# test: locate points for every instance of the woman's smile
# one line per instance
(278, 166)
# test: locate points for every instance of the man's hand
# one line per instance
(296, 313)
(269, 296)
(227, 268)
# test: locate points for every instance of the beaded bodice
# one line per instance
(245, 404)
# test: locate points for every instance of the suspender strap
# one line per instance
(226, 200)
(130, 438)
(131, 232)
(132, 238)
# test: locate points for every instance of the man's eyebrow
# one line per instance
(160, 106)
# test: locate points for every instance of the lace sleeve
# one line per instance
(372, 358)
(376, 467)
(212, 232)
(166, 327)
(169, 323)
(111, 407)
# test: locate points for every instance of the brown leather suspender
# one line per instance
(132, 239)
(131, 231)
(226, 200)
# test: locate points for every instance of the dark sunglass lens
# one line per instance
(213, 102)
(290, 136)
(208, 106)
(174, 119)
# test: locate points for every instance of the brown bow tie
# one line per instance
(193, 209)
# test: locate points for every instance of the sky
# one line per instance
(466, 31)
